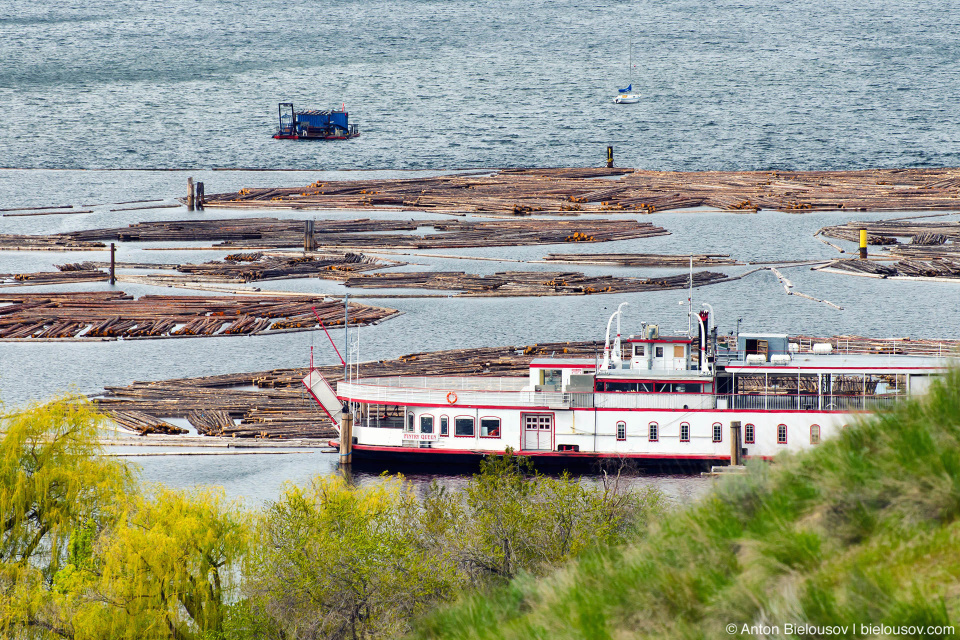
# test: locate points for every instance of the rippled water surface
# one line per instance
(437, 84)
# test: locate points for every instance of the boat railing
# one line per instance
(509, 392)
(455, 383)
(429, 393)
(770, 402)
(853, 346)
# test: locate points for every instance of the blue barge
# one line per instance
(314, 125)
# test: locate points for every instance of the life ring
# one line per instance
(452, 398)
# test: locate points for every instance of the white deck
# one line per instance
(439, 391)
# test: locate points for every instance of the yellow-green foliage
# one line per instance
(166, 569)
(88, 554)
(331, 560)
(862, 530)
(335, 561)
(51, 484)
(509, 520)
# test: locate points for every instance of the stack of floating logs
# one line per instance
(371, 234)
(281, 408)
(910, 268)
(256, 266)
(55, 242)
(209, 422)
(53, 277)
(567, 191)
(932, 251)
(144, 424)
(113, 314)
(528, 283)
(921, 234)
(642, 259)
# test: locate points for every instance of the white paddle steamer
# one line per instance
(656, 399)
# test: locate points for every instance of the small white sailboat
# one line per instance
(626, 96)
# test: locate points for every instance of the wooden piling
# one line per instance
(863, 244)
(346, 437)
(113, 263)
(189, 194)
(309, 242)
(200, 195)
(736, 453)
(609, 157)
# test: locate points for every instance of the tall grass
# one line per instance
(863, 530)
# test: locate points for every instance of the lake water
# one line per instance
(87, 89)
(439, 84)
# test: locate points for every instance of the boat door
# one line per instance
(538, 432)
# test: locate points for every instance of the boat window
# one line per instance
(646, 387)
(409, 425)
(640, 349)
(749, 433)
(552, 377)
(781, 434)
(686, 387)
(684, 432)
(463, 427)
(489, 427)
(621, 386)
(659, 352)
(426, 424)
(621, 430)
(654, 432)
(444, 426)
(814, 434)
(717, 432)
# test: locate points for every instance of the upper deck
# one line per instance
(799, 382)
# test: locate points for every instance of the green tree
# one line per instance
(335, 561)
(168, 569)
(516, 520)
(53, 485)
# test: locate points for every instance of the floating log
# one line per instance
(368, 234)
(511, 192)
(925, 241)
(144, 424)
(256, 266)
(642, 259)
(937, 268)
(53, 277)
(55, 242)
(528, 283)
(113, 314)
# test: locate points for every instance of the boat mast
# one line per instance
(606, 347)
(690, 303)
(616, 356)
